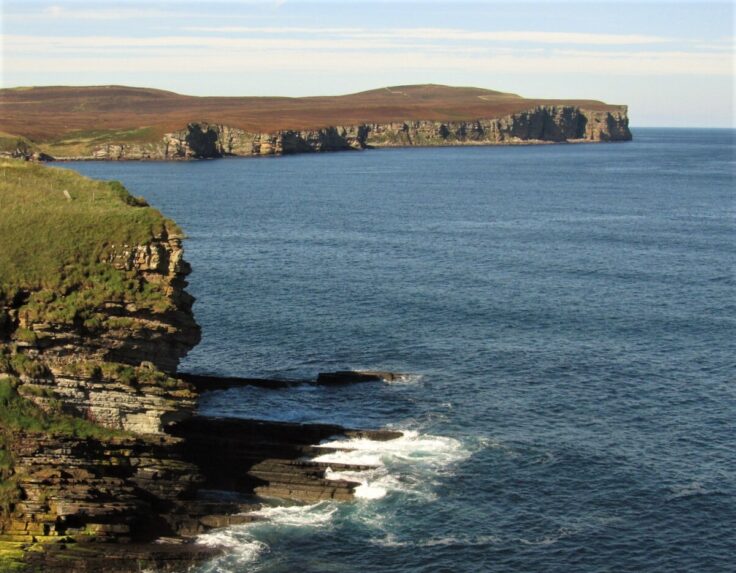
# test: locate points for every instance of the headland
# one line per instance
(128, 123)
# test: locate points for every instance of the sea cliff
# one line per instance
(118, 122)
(104, 463)
(541, 124)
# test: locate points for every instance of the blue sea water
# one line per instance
(568, 312)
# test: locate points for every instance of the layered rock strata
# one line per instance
(270, 459)
(115, 369)
(541, 124)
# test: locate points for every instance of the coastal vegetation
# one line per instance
(73, 224)
(76, 227)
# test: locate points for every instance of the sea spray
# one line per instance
(245, 544)
(407, 466)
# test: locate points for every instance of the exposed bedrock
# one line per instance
(134, 489)
(268, 458)
(546, 123)
(118, 367)
(209, 383)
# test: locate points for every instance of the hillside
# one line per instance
(69, 121)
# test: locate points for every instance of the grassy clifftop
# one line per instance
(56, 226)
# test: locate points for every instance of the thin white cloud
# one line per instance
(102, 44)
(250, 58)
(452, 34)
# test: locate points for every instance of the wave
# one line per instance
(242, 543)
(242, 549)
(412, 447)
(451, 540)
(693, 489)
(408, 465)
(405, 379)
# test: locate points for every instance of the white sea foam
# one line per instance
(242, 548)
(406, 465)
(367, 489)
(411, 447)
(688, 490)
(315, 515)
(390, 540)
(242, 543)
(405, 379)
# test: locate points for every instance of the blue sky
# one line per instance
(671, 62)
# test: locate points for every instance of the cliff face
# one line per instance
(116, 368)
(541, 124)
(93, 322)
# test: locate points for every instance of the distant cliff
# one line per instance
(542, 124)
(115, 122)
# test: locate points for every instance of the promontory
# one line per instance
(117, 122)
(105, 464)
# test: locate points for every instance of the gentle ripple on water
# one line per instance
(570, 310)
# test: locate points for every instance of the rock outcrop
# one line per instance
(540, 124)
(117, 368)
(99, 444)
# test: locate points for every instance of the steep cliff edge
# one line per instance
(93, 321)
(93, 312)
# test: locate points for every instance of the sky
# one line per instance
(672, 63)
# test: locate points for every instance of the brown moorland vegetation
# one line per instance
(48, 114)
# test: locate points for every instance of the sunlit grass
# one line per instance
(58, 229)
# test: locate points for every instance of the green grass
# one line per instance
(36, 217)
(20, 414)
(57, 247)
(139, 135)
(9, 143)
(11, 557)
(83, 142)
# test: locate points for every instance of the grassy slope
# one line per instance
(69, 118)
(46, 239)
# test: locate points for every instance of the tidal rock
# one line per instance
(355, 376)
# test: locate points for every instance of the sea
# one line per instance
(566, 318)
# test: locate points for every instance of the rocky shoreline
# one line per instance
(104, 465)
